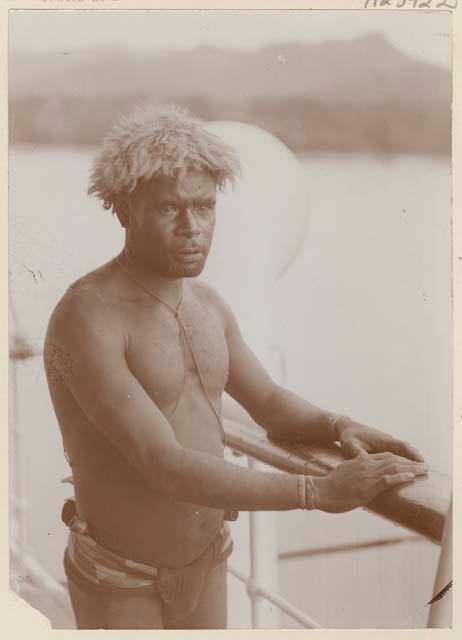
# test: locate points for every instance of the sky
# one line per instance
(425, 35)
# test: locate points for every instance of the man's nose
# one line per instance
(188, 224)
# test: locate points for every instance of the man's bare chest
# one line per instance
(167, 353)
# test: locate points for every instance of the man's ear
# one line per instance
(122, 211)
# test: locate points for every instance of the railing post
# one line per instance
(263, 565)
(440, 616)
(17, 495)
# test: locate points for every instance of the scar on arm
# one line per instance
(59, 364)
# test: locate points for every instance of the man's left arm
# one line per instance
(285, 415)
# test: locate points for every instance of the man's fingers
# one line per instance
(388, 481)
(392, 457)
(352, 448)
(397, 466)
(404, 449)
(382, 456)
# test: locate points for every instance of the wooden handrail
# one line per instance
(420, 507)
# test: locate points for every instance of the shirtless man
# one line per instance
(138, 354)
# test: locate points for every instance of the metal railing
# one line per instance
(421, 507)
(422, 510)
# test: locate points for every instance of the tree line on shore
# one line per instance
(305, 125)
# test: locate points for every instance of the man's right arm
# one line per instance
(85, 348)
(88, 352)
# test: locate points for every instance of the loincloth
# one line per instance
(92, 566)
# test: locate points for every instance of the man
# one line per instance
(138, 354)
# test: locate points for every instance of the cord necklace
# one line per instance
(184, 338)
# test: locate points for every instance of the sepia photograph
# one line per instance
(231, 318)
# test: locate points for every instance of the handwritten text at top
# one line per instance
(411, 4)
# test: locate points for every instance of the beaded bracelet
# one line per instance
(301, 492)
(310, 502)
(306, 493)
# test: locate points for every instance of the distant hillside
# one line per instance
(363, 94)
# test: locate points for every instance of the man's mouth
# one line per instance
(188, 252)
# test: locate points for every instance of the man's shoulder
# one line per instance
(84, 305)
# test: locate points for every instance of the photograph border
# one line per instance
(20, 619)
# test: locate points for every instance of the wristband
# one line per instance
(301, 492)
(310, 493)
(306, 493)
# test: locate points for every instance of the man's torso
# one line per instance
(123, 512)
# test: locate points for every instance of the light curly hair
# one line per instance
(157, 141)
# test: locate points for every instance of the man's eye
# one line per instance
(205, 208)
(169, 209)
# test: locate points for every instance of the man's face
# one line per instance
(171, 223)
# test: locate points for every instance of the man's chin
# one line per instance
(191, 270)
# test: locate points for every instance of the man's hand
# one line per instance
(357, 482)
(357, 438)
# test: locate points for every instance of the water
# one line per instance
(363, 320)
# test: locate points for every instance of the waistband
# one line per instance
(101, 566)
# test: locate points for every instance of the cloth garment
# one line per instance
(92, 566)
